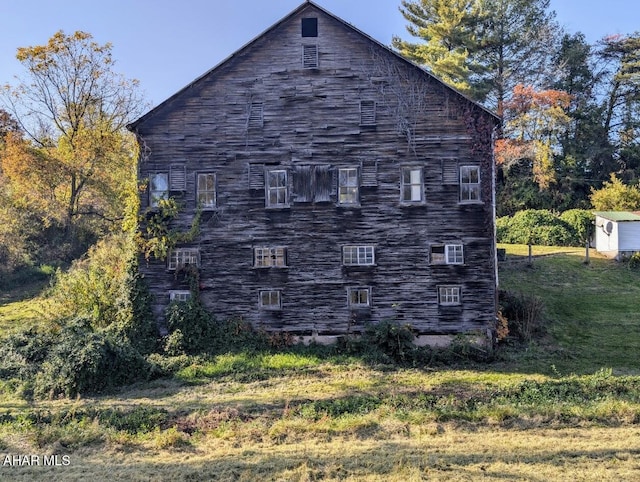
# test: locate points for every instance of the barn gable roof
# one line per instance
(308, 4)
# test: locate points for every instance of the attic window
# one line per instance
(367, 113)
(309, 27)
(310, 56)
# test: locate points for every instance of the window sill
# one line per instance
(416, 204)
(470, 203)
(281, 207)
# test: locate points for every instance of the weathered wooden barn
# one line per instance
(338, 184)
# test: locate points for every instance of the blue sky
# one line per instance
(167, 44)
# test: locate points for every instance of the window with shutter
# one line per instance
(450, 172)
(256, 176)
(369, 170)
(256, 115)
(367, 113)
(177, 178)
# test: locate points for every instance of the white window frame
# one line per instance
(358, 255)
(181, 257)
(470, 191)
(179, 295)
(348, 186)
(267, 257)
(451, 254)
(359, 297)
(279, 190)
(273, 298)
(210, 195)
(155, 194)
(415, 186)
(449, 295)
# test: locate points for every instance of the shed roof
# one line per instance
(619, 216)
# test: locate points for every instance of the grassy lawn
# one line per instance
(593, 310)
(565, 408)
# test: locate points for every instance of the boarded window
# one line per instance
(309, 27)
(367, 113)
(177, 178)
(323, 184)
(302, 184)
(310, 56)
(312, 183)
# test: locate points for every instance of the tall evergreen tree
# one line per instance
(486, 47)
(446, 31)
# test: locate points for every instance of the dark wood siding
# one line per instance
(310, 126)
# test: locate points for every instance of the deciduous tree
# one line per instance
(72, 108)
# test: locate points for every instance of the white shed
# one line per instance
(617, 233)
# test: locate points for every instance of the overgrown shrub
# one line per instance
(524, 313)
(634, 261)
(191, 328)
(581, 223)
(390, 338)
(86, 361)
(22, 354)
(535, 226)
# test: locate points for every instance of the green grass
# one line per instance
(592, 310)
(564, 408)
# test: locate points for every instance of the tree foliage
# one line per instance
(72, 108)
(66, 161)
(535, 122)
(616, 196)
(482, 47)
(446, 29)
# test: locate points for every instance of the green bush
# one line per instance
(536, 226)
(581, 222)
(86, 361)
(191, 328)
(392, 339)
(22, 354)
